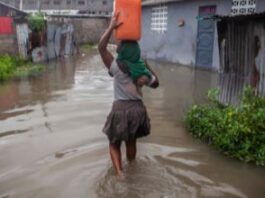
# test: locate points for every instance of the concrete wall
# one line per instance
(178, 44)
(89, 5)
(87, 30)
(260, 6)
(8, 45)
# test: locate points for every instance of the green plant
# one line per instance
(236, 131)
(11, 66)
(7, 65)
(28, 70)
(213, 97)
(36, 22)
(87, 47)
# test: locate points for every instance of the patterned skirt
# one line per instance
(127, 119)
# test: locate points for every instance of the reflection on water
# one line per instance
(12, 133)
(51, 143)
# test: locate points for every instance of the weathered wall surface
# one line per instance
(86, 30)
(89, 30)
(260, 6)
(8, 44)
(178, 44)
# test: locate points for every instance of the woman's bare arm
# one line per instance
(104, 40)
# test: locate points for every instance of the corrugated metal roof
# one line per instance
(239, 17)
(13, 8)
(260, 15)
(155, 2)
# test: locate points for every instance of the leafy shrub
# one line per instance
(28, 70)
(236, 131)
(11, 66)
(36, 22)
(87, 47)
(7, 65)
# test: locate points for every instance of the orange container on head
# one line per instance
(130, 15)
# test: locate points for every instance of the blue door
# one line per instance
(205, 38)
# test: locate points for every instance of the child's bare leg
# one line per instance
(115, 153)
(131, 149)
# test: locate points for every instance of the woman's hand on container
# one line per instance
(115, 23)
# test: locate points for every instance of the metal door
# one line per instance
(205, 37)
(69, 39)
(22, 39)
(51, 30)
(57, 41)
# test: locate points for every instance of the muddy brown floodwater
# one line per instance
(51, 144)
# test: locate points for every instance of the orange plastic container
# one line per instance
(130, 14)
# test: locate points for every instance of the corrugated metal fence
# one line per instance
(60, 42)
(238, 58)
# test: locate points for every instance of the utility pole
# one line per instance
(21, 4)
(39, 5)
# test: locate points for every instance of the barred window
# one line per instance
(81, 2)
(159, 19)
(56, 2)
(46, 2)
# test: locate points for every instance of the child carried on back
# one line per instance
(129, 54)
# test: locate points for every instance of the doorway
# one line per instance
(205, 38)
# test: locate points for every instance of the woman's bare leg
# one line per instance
(131, 149)
(115, 153)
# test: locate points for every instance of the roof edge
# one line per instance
(12, 7)
(157, 2)
(239, 17)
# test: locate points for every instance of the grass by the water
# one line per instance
(87, 47)
(14, 67)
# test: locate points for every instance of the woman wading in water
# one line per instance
(128, 119)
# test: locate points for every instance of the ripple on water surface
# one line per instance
(85, 171)
(48, 151)
(156, 174)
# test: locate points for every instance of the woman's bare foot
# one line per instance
(121, 176)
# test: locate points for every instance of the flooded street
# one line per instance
(51, 144)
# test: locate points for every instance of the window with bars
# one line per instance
(31, 2)
(56, 2)
(81, 2)
(159, 19)
(46, 2)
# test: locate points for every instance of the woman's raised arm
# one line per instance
(104, 40)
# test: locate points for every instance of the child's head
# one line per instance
(129, 53)
(129, 50)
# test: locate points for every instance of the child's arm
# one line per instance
(155, 83)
